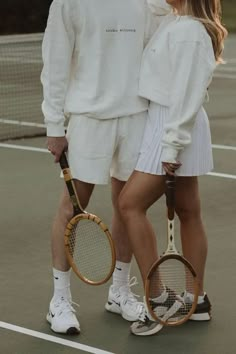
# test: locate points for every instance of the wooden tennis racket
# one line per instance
(88, 243)
(170, 276)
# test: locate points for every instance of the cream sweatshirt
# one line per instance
(92, 53)
(177, 68)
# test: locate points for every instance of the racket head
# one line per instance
(173, 274)
(90, 249)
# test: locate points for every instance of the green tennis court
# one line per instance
(29, 189)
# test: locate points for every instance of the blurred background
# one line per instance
(30, 16)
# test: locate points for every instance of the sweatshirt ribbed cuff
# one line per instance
(169, 154)
(55, 130)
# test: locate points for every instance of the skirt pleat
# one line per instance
(196, 158)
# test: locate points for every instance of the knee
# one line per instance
(65, 210)
(126, 206)
(191, 211)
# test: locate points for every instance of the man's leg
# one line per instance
(61, 313)
(122, 244)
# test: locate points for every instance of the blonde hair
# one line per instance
(209, 13)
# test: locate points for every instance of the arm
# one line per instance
(190, 76)
(57, 49)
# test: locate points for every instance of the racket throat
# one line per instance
(171, 249)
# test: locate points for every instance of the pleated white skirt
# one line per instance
(196, 158)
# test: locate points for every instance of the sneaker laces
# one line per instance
(144, 315)
(131, 298)
(65, 305)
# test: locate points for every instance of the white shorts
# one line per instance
(196, 158)
(104, 148)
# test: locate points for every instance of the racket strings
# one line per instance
(167, 286)
(90, 249)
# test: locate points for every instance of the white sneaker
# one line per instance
(62, 317)
(123, 302)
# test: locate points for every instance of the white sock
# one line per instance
(200, 298)
(61, 284)
(121, 275)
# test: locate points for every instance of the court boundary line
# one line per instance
(214, 146)
(222, 175)
(54, 339)
(223, 147)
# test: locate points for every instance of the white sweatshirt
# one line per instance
(92, 53)
(177, 68)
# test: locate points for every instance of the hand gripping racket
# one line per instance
(88, 243)
(170, 276)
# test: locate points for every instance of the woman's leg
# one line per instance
(193, 237)
(139, 193)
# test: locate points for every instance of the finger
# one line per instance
(171, 173)
(168, 171)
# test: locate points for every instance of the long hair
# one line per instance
(209, 13)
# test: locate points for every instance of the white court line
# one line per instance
(222, 175)
(216, 174)
(19, 122)
(53, 339)
(223, 147)
(22, 147)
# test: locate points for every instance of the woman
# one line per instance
(177, 68)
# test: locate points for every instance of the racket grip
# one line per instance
(170, 195)
(63, 161)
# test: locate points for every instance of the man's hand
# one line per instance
(170, 168)
(56, 145)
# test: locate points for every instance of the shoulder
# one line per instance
(68, 4)
(188, 29)
(159, 7)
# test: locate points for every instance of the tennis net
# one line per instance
(20, 87)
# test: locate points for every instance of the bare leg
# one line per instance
(194, 242)
(64, 214)
(119, 234)
(139, 193)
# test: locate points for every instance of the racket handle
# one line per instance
(170, 196)
(63, 161)
(70, 184)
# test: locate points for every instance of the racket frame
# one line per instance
(80, 214)
(165, 257)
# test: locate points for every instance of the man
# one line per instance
(92, 53)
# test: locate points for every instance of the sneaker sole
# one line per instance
(200, 317)
(70, 330)
(149, 333)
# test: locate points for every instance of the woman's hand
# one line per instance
(170, 167)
